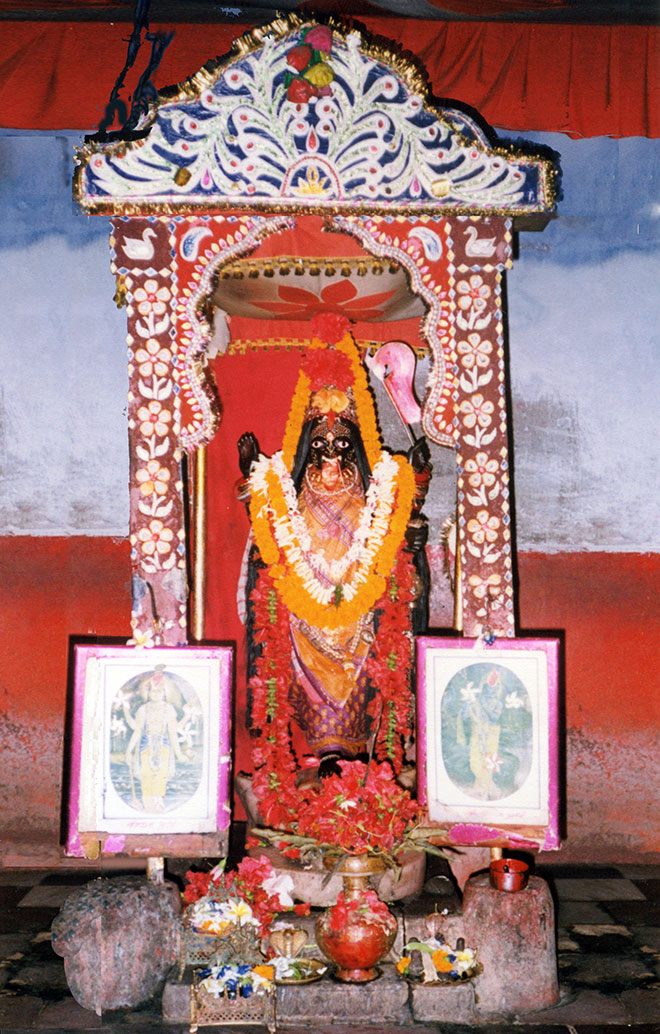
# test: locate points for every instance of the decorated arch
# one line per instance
(309, 170)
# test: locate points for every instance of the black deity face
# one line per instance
(328, 445)
(335, 448)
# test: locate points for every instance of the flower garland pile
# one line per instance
(252, 895)
(361, 811)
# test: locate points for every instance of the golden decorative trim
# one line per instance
(241, 346)
(199, 545)
(266, 207)
(301, 264)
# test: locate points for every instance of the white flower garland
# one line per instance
(293, 538)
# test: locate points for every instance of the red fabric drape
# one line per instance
(580, 79)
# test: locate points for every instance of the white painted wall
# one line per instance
(583, 329)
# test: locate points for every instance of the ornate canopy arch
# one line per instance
(304, 119)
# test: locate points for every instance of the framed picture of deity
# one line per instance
(151, 741)
(488, 740)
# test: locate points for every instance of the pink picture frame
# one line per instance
(150, 763)
(487, 741)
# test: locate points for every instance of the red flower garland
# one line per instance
(390, 662)
(328, 368)
(282, 804)
(275, 766)
(247, 883)
(362, 810)
(329, 327)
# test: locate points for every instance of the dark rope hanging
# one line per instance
(145, 91)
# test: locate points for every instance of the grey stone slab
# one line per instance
(11, 897)
(50, 896)
(41, 977)
(647, 937)
(613, 973)
(384, 999)
(11, 943)
(67, 1015)
(13, 919)
(642, 912)
(18, 1011)
(584, 1007)
(21, 877)
(642, 1005)
(454, 1004)
(571, 912)
(597, 890)
(640, 872)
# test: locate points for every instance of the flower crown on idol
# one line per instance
(332, 383)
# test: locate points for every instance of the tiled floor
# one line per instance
(608, 922)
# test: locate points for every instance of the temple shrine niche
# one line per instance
(311, 253)
(255, 197)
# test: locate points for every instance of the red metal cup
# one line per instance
(509, 874)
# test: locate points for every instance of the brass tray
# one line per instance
(316, 972)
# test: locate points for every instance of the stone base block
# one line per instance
(514, 934)
(385, 999)
(452, 1004)
(119, 938)
(176, 1002)
(327, 1000)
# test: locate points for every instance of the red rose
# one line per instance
(319, 37)
(300, 91)
(299, 57)
(328, 368)
(330, 327)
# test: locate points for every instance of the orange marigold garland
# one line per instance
(270, 514)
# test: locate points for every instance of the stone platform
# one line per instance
(515, 929)
(389, 998)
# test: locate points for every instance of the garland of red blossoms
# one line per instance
(388, 667)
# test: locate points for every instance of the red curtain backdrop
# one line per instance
(585, 80)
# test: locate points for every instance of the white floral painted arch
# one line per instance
(257, 132)
(304, 119)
